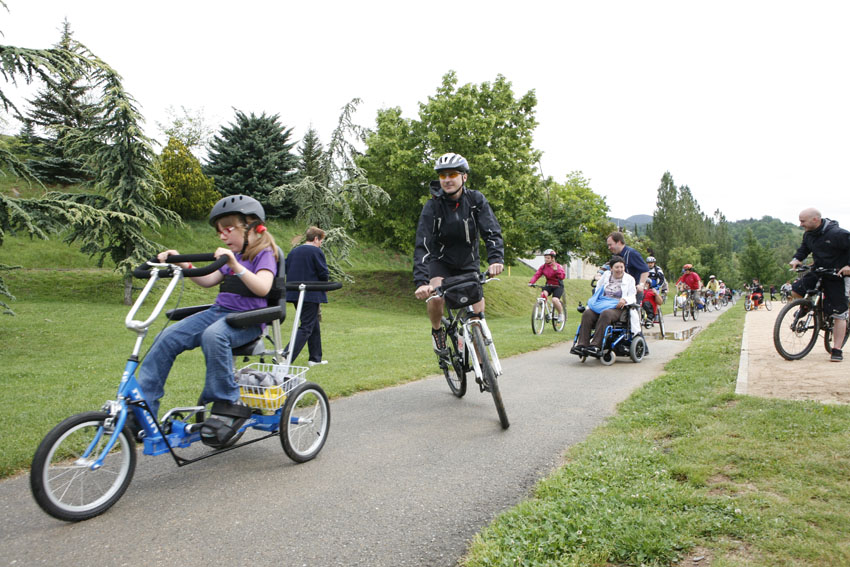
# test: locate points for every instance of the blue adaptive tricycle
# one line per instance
(84, 464)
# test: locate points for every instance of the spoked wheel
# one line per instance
(557, 324)
(748, 304)
(489, 372)
(453, 369)
(661, 322)
(707, 306)
(538, 318)
(796, 329)
(686, 310)
(827, 335)
(767, 304)
(62, 481)
(304, 422)
(637, 350)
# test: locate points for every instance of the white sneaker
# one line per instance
(311, 363)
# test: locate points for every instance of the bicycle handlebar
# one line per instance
(439, 291)
(167, 268)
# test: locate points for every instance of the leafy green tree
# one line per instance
(336, 192)
(570, 219)
(487, 125)
(759, 262)
(189, 127)
(252, 156)
(189, 192)
(64, 105)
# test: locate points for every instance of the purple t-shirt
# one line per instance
(262, 261)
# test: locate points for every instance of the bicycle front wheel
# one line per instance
(686, 310)
(489, 374)
(796, 329)
(538, 318)
(62, 480)
(694, 310)
(453, 369)
(558, 323)
(767, 304)
(661, 322)
(827, 334)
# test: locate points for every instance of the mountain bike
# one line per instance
(84, 465)
(470, 347)
(544, 312)
(800, 321)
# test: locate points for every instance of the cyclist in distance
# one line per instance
(655, 279)
(447, 239)
(713, 286)
(690, 280)
(829, 246)
(757, 292)
(555, 274)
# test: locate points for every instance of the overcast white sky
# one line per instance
(746, 102)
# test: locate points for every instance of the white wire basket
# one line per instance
(271, 398)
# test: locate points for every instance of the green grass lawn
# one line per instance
(686, 469)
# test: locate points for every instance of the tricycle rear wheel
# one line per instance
(304, 422)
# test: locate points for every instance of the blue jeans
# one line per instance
(210, 331)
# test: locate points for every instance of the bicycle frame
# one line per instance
(462, 318)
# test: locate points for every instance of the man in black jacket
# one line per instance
(447, 238)
(829, 246)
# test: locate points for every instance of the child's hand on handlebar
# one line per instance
(231, 259)
(163, 257)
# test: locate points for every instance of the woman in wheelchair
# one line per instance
(245, 281)
(614, 291)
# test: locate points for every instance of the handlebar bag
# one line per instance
(460, 291)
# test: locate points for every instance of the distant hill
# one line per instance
(635, 223)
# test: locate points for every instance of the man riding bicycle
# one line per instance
(447, 239)
(713, 287)
(829, 246)
(691, 281)
(554, 274)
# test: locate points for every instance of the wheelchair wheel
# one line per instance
(304, 422)
(637, 350)
(538, 318)
(608, 357)
(62, 481)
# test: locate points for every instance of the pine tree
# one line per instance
(57, 108)
(188, 192)
(252, 156)
(311, 163)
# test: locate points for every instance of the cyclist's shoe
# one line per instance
(560, 318)
(837, 356)
(224, 423)
(438, 338)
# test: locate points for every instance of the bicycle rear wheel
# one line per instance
(827, 335)
(796, 329)
(453, 369)
(490, 381)
(61, 479)
(557, 324)
(538, 318)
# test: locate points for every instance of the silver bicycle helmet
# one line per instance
(451, 161)
(650, 259)
(237, 204)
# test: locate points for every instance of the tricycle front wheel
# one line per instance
(304, 422)
(62, 480)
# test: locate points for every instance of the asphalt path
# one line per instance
(408, 476)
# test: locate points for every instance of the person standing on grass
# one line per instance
(829, 246)
(306, 263)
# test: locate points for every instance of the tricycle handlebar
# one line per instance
(144, 271)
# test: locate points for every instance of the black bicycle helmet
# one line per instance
(451, 161)
(235, 205)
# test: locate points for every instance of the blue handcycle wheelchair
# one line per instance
(84, 465)
(619, 340)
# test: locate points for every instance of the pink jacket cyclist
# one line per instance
(554, 273)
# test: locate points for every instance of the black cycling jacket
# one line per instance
(448, 231)
(828, 244)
